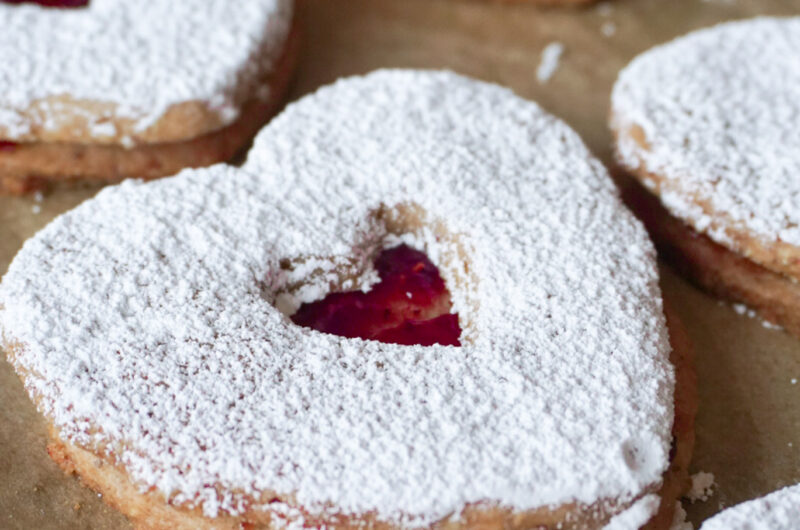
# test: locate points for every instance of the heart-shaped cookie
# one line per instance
(151, 326)
(143, 89)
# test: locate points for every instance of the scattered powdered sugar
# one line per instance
(679, 521)
(702, 487)
(550, 57)
(148, 312)
(718, 109)
(743, 309)
(777, 511)
(141, 57)
(608, 29)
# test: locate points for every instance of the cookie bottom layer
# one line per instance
(151, 511)
(716, 269)
(28, 167)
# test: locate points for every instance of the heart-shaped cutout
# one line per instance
(153, 319)
(409, 305)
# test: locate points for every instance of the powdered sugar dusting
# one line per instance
(719, 109)
(148, 312)
(776, 511)
(141, 57)
(679, 521)
(551, 55)
(637, 515)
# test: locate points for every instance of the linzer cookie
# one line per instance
(101, 90)
(707, 124)
(419, 303)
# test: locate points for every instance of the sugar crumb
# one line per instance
(742, 309)
(679, 521)
(702, 487)
(551, 55)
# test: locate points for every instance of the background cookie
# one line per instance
(706, 123)
(129, 89)
(777, 511)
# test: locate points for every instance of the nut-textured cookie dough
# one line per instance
(149, 325)
(120, 89)
(708, 124)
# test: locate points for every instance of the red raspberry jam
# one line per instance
(410, 305)
(51, 3)
(8, 146)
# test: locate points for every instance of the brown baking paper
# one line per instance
(748, 426)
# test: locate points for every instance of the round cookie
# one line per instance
(706, 123)
(128, 89)
(150, 327)
(777, 511)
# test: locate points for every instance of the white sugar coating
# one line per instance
(148, 312)
(719, 110)
(780, 510)
(636, 515)
(142, 56)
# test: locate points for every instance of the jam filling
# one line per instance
(410, 305)
(8, 146)
(50, 3)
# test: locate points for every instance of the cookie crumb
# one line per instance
(702, 487)
(551, 55)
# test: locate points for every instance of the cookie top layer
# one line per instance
(149, 312)
(776, 511)
(716, 117)
(112, 70)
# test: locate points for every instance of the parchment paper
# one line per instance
(749, 414)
